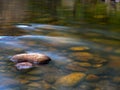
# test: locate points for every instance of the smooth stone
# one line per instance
(79, 48)
(23, 65)
(92, 77)
(70, 79)
(35, 58)
(75, 67)
(82, 56)
(84, 64)
(34, 78)
(99, 60)
(23, 81)
(46, 85)
(97, 65)
(34, 84)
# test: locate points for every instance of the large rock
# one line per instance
(34, 58)
(70, 80)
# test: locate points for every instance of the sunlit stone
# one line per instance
(34, 58)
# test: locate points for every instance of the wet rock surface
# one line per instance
(34, 58)
(28, 60)
(23, 65)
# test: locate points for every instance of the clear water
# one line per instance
(66, 46)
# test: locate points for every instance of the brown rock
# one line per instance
(83, 56)
(34, 58)
(75, 67)
(84, 64)
(92, 77)
(70, 80)
(79, 48)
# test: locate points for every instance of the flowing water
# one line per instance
(82, 59)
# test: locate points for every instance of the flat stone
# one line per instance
(34, 84)
(75, 67)
(82, 56)
(99, 60)
(24, 65)
(79, 48)
(92, 77)
(70, 79)
(84, 64)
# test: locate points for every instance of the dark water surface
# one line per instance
(82, 59)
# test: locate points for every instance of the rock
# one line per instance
(79, 48)
(83, 56)
(92, 77)
(99, 60)
(34, 58)
(70, 80)
(24, 65)
(75, 67)
(34, 84)
(84, 64)
(97, 65)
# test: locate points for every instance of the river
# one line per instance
(82, 58)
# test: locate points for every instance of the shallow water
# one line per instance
(95, 53)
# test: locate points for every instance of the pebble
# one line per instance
(79, 48)
(70, 79)
(24, 65)
(84, 64)
(34, 84)
(83, 56)
(99, 60)
(75, 67)
(97, 65)
(92, 77)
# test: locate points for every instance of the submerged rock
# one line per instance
(70, 80)
(34, 58)
(92, 77)
(24, 65)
